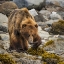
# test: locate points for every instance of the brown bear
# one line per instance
(23, 30)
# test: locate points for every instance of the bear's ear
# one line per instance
(16, 32)
(24, 25)
(36, 26)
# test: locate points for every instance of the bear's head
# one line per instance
(29, 29)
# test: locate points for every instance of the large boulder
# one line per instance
(58, 27)
(37, 4)
(55, 2)
(7, 7)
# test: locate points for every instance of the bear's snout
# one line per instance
(30, 40)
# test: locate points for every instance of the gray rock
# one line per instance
(57, 47)
(55, 15)
(45, 14)
(38, 16)
(4, 45)
(33, 12)
(43, 34)
(38, 4)
(55, 2)
(3, 22)
(61, 13)
(47, 29)
(50, 22)
(2, 51)
(4, 37)
(28, 61)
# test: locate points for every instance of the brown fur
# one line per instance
(22, 30)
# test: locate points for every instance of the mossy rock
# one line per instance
(48, 43)
(5, 59)
(58, 27)
(7, 7)
(62, 62)
(38, 51)
(48, 58)
(50, 55)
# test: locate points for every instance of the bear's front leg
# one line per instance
(37, 42)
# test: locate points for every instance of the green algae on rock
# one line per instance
(5, 59)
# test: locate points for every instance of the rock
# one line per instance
(55, 2)
(47, 29)
(28, 61)
(43, 34)
(33, 12)
(2, 51)
(4, 44)
(37, 4)
(3, 28)
(54, 16)
(57, 27)
(38, 17)
(43, 25)
(50, 22)
(4, 37)
(3, 18)
(7, 7)
(3, 23)
(57, 47)
(61, 13)
(45, 14)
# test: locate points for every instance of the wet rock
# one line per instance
(7, 7)
(30, 4)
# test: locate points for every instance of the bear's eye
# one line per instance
(36, 26)
(24, 25)
(28, 35)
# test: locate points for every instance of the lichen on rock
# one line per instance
(46, 56)
(5, 59)
(48, 43)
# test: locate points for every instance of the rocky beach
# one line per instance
(49, 15)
